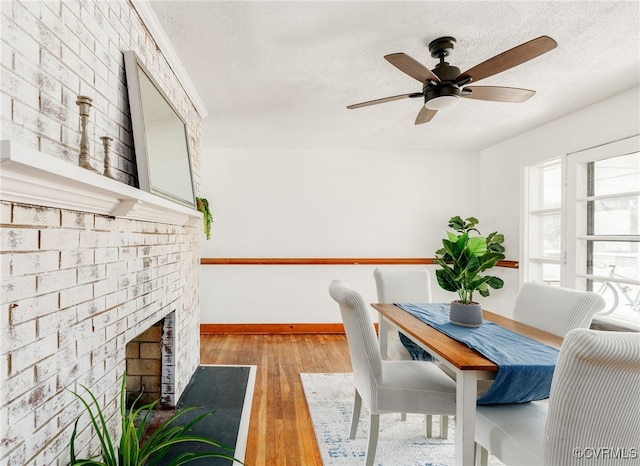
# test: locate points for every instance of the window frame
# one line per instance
(576, 193)
(539, 212)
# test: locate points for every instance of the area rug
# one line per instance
(330, 400)
(227, 390)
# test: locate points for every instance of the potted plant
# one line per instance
(139, 446)
(203, 206)
(465, 255)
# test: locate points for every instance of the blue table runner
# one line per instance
(525, 366)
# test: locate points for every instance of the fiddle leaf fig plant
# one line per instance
(465, 255)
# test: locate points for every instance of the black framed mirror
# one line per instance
(159, 137)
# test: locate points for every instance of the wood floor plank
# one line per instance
(280, 430)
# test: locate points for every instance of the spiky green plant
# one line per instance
(464, 257)
(132, 450)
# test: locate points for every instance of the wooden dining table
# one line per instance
(468, 364)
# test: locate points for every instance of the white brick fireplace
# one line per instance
(77, 288)
(88, 263)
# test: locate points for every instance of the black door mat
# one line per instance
(213, 388)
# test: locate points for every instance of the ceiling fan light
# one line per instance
(441, 102)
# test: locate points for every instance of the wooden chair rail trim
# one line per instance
(273, 329)
(332, 261)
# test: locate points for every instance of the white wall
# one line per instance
(311, 203)
(368, 204)
(284, 294)
(502, 165)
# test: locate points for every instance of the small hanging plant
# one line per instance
(203, 206)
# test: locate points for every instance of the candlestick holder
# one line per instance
(106, 143)
(84, 103)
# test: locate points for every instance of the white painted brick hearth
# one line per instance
(78, 285)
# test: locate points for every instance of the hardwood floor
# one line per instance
(280, 431)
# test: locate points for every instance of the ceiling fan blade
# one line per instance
(412, 67)
(512, 57)
(497, 93)
(425, 115)
(385, 99)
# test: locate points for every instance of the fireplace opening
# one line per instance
(149, 366)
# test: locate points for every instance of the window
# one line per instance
(544, 223)
(587, 235)
(603, 225)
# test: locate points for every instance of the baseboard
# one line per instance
(272, 329)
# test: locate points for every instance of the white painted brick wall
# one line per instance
(69, 326)
(76, 287)
(54, 51)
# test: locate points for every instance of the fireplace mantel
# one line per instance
(32, 177)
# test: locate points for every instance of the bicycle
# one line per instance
(612, 287)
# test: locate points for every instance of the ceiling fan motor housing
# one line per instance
(446, 72)
(447, 85)
(441, 90)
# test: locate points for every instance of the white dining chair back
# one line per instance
(403, 285)
(554, 309)
(592, 414)
(400, 285)
(594, 402)
(364, 350)
(386, 386)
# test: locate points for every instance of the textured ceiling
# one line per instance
(280, 74)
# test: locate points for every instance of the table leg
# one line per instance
(383, 332)
(466, 395)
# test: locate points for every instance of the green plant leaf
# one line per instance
(188, 457)
(445, 280)
(494, 247)
(483, 290)
(477, 246)
(489, 260)
(456, 223)
(452, 237)
(449, 250)
(100, 426)
(495, 237)
(189, 438)
(495, 282)
(72, 443)
(87, 463)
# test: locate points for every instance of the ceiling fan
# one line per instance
(442, 87)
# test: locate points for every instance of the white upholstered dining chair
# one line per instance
(554, 309)
(386, 386)
(404, 285)
(592, 415)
